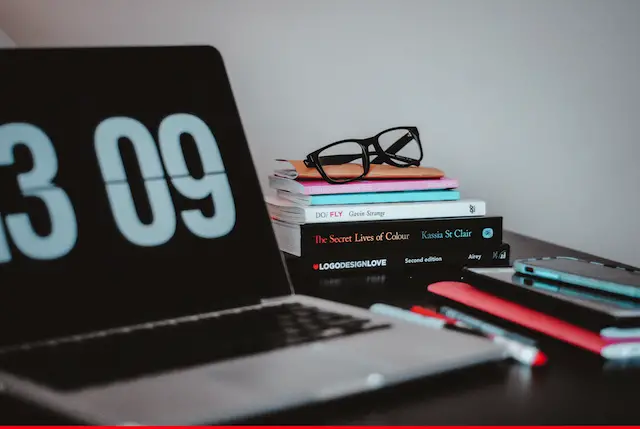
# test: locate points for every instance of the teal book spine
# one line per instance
(385, 197)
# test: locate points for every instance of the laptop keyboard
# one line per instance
(195, 341)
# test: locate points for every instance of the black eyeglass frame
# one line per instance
(388, 156)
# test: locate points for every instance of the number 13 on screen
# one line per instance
(38, 182)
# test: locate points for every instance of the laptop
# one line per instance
(140, 280)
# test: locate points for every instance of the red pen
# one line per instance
(430, 313)
(523, 353)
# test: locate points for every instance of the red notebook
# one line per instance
(534, 320)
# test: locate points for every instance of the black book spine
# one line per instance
(384, 237)
(406, 261)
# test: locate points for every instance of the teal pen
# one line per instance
(429, 322)
(523, 353)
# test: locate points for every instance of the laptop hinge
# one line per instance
(286, 271)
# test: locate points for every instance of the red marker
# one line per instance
(430, 313)
(523, 353)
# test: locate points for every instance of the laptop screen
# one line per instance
(128, 192)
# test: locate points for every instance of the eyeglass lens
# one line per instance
(333, 159)
(399, 142)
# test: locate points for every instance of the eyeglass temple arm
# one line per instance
(338, 159)
(391, 151)
(345, 159)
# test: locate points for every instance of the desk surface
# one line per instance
(574, 388)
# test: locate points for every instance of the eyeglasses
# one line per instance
(399, 146)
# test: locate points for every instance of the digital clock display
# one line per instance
(128, 192)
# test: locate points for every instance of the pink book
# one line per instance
(320, 187)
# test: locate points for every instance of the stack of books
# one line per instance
(382, 225)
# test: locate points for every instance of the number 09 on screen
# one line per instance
(153, 159)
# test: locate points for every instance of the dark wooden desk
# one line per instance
(575, 388)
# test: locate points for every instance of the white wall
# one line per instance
(5, 41)
(533, 105)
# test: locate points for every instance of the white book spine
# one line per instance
(368, 212)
